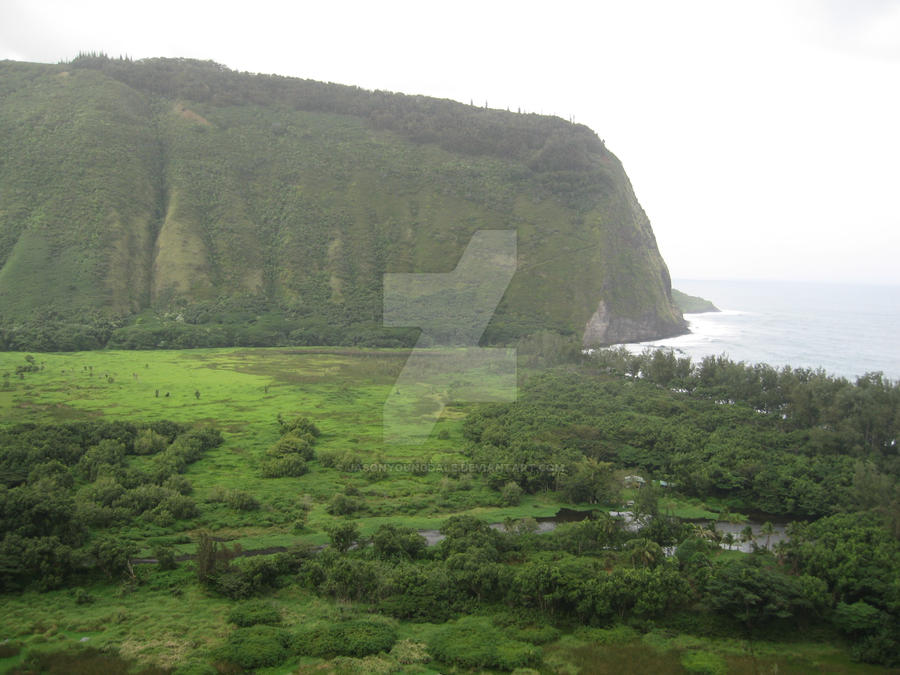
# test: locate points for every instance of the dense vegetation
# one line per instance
(378, 599)
(170, 203)
(788, 442)
(66, 492)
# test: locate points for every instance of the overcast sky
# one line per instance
(762, 137)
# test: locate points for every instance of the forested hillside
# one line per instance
(175, 203)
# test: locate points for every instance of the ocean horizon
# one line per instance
(846, 329)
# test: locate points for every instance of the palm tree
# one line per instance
(706, 532)
(781, 549)
(728, 540)
(644, 552)
(767, 529)
(747, 535)
(609, 526)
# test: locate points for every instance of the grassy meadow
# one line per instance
(242, 392)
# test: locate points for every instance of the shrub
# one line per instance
(241, 501)
(513, 654)
(342, 505)
(234, 584)
(161, 517)
(299, 426)
(148, 442)
(143, 498)
(408, 651)
(342, 461)
(82, 597)
(290, 466)
(342, 535)
(358, 638)
(511, 494)
(251, 576)
(180, 506)
(293, 444)
(254, 613)
(474, 642)
(179, 484)
(699, 661)
(536, 635)
(165, 557)
(396, 542)
(255, 647)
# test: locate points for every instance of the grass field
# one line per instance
(242, 392)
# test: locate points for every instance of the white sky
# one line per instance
(762, 137)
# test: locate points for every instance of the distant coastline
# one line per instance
(847, 330)
(692, 304)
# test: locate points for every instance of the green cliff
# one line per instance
(171, 202)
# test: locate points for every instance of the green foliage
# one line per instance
(206, 558)
(392, 542)
(254, 612)
(857, 618)
(255, 647)
(113, 556)
(536, 635)
(299, 428)
(343, 535)
(511, 494)
(343, 505)
(241, 501)
(148, 442)
(408, 652)
(856, 560)
(61, 480)
(293, 444)
(288, 456)
(700, 661)
(165, 557)
(291, 466)
(776, 441)
(474, 642)
(755, 594)
(357, 638)
(590, 482)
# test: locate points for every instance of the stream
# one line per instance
(549, 523)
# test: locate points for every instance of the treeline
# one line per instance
(790, 442)
(593, 573)
(271, 329)
(63, 486)
(544, 143)
(233, 322)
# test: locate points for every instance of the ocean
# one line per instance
(847, 330)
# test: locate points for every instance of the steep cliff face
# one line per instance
(175, 187)
(603, 328)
